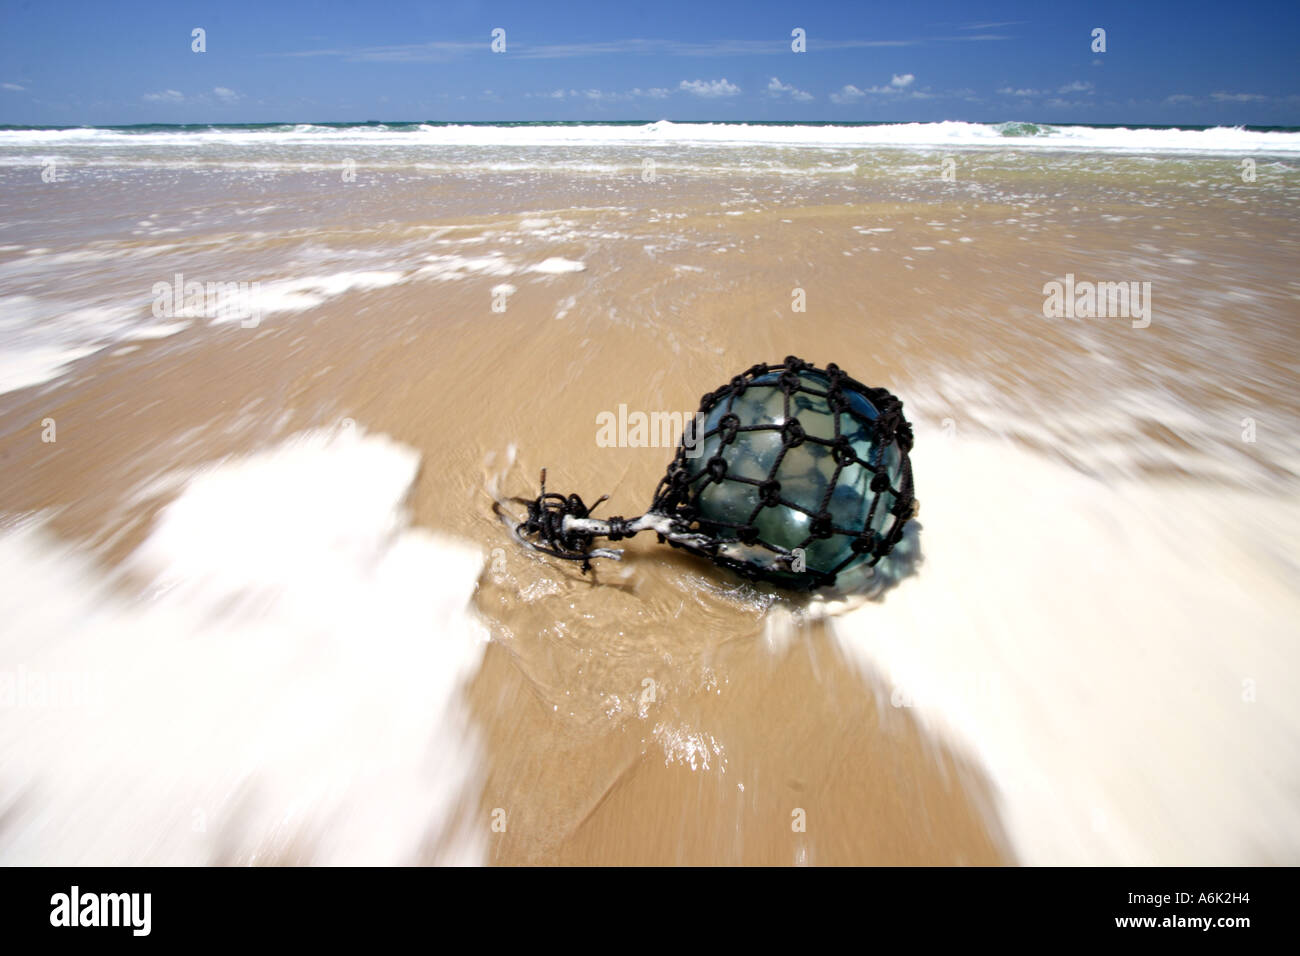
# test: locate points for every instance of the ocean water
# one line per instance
(72, 216)
(417, 135)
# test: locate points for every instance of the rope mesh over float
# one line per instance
(684, 512)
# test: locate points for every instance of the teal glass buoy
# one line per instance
(789, 473)
(800, 473)
(779, 487)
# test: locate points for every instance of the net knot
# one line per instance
(842, 451)
(769, 492)
(728, 427)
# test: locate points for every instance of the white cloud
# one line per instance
(775, 88)
(898, 84)
(1077, 86)
(1222, 97)
(1010, 91)
(710, 89)
(224, 94)
(13, 87)
(166, 96)
(1180, 98)
(847, 94)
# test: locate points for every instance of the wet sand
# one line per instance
(757, 712)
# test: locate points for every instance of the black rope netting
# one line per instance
(788, 473)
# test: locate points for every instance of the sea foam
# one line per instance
(288, 691)
(1118, 658)
(951, 134)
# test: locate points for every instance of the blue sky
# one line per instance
(1165, 62)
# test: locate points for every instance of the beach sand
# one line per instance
(658, 710)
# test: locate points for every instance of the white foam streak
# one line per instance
(300, 294)
(557, 265)
(41, 338)
(1119, 658)
(289, 693)
(444, 268)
